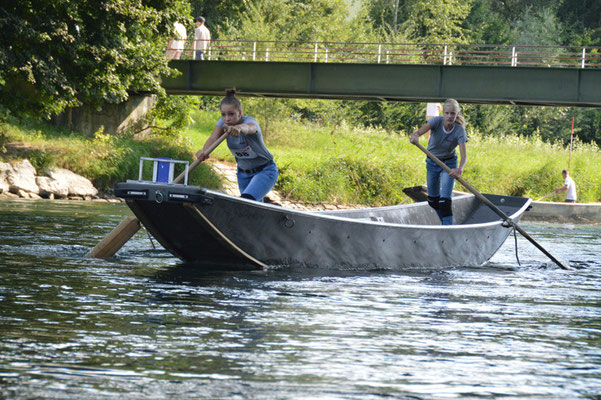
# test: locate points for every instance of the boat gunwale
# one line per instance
(325, 214)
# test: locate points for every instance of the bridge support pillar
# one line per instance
(112, 118)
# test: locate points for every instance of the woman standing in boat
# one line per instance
(446, 133)
(257, 172)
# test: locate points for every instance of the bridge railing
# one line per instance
(400, 53)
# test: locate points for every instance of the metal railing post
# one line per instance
(315, 53)
(387, 56)
(379, 52)
(254, 51)
(326, 55)
(444, 58)
(267, 54)
(514, 57)
(582, 65)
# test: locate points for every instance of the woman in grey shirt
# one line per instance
(257, 172)
(446, 133)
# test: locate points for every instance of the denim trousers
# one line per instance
(258, 184)
(439, 182)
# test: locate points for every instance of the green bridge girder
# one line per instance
(391, 82)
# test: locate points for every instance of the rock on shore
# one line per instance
(22, 180)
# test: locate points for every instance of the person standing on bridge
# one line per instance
(569, 186)
(176, 46)
(202, 38)
(446, 133)
(257, 171)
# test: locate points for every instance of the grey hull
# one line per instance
(196, 224)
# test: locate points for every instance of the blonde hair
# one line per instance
(457, 108)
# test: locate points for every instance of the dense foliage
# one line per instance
(55, 54)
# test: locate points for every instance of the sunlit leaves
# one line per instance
(55, 54)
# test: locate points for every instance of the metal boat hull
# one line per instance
(196, 224)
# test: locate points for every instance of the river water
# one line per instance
(144, 325)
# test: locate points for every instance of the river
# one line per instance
(144, 325)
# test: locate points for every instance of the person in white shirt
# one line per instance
(202, 38)
(176, 46)
(569, 186)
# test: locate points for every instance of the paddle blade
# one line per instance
(116, 238)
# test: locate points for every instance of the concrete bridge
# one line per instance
(519, 75)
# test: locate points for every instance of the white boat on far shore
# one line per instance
(575, 213)
(539, 211)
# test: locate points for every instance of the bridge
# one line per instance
(490, 74)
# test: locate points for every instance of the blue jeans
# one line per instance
(199, 55)
(440, 184)
(259, 183)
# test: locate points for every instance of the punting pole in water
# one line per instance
(108, 246)
(492, 206)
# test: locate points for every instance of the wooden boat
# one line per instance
(200, 225)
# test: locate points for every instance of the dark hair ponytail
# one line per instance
(230, 98)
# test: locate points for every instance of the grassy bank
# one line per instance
(370, 166)
(318, 164)
(104, 159)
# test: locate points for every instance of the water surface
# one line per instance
(146, 325)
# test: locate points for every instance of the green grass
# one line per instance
(371, 166)
(318, 163)
(103, 158)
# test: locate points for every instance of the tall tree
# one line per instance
(219, 14)
(296, 20)
(55, 54)
(437, 21)
(583, 21)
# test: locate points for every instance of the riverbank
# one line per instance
(19, 181)
(319, 165)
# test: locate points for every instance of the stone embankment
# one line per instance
(21, 180)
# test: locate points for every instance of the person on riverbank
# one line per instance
(446, 133)
(569, 186)
(257, 171)
(202, 38)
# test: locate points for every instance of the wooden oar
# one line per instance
(108, 246)
(544, 197)
(491, 205)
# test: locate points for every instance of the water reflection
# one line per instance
(145, 325)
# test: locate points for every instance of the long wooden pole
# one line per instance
(108, 246)
(545, 196)
(491, 205)
(571, 141)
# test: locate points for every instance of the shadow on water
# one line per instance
(202, 274)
